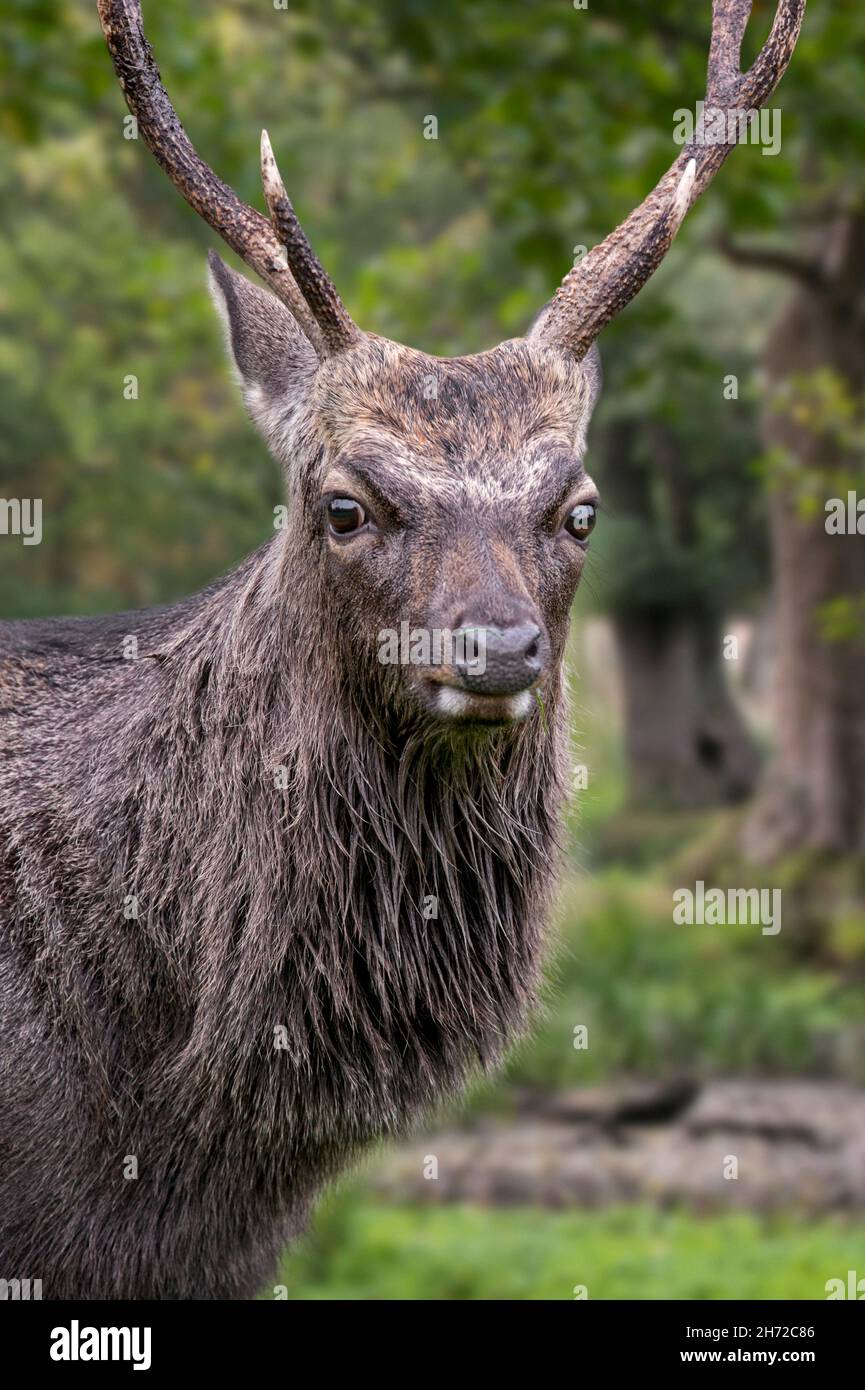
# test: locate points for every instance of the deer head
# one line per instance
(451, 494)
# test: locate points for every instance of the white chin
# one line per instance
(461, 704)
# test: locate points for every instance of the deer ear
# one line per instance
(272, 356)
(594, 374)
(593, 379)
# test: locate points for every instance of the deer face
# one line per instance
(454, 509)
(447, 500)
(437, 492)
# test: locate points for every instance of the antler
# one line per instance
(612, 273)
(308, 292)
(316, 285)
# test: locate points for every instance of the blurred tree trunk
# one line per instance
(686, 742)
(814, 792)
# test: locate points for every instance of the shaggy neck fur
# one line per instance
(342, 904)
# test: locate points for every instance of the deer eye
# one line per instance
(581, 521)
(345, 515)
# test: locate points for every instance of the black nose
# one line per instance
(501, 660)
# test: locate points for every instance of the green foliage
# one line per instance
(842, 619)
(821, 406)
(658, 997)
(361, 1249)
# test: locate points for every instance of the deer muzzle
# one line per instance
(501, 660)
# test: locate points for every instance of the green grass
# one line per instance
(363, 1249)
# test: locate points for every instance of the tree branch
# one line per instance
(806, 271)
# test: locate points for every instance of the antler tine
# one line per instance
(767, 69)
(613, 272)
(729, 22)
(337, 326)
(246, 231)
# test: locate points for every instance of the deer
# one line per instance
(266, 898)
